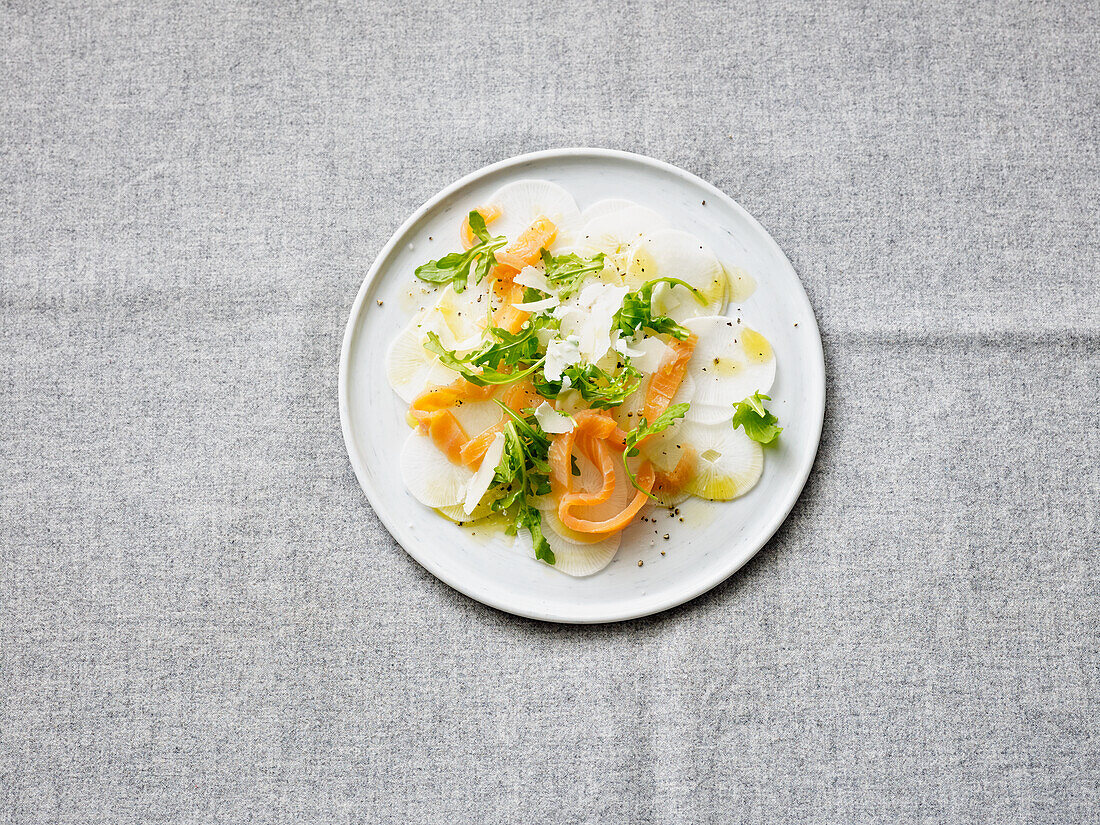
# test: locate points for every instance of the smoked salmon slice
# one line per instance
(440, 398)
(669, 376)
(596, 435)
(447, 434)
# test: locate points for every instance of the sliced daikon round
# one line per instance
(629, 413)
(573, 556)
(727, 462)
(523, 201)
(616, 233)
(429, 475)
(665, 449)
(410, 368)
(730, 363)
(741, 285)
(605, 207)
(670, 498)
(674, 254)
(457, 513)
(463, 315)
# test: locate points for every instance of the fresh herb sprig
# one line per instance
(511, 356)
(456, 267)
(523, 473)
(599, 388)
(643, 431)
(567, 271)
(637, 311)
(759, 424)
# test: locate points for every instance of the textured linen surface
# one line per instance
(203, 620)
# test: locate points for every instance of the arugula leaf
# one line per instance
(527, 429)
(513, 355)
(637, 311)
(477, 225)
(455, 268)
(524, 472)
(759, 424)
(643, 431)
(567, 271)
(531, 518)
(598, 387)
(474, 367)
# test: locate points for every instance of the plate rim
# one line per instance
(646, 606)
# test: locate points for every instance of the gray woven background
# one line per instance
(203, 621)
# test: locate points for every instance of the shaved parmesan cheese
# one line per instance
(538, 306)
(560, 353)
(567, 313)
(620, 346)
(598, 304)
(534, 278)
(553, 421)
(652, 353)
(483, 478)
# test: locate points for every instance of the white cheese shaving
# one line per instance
(564, 311)
(538, 306)
(560, 353)
(479, 484)
(652, 353)
(553, 421)
(620, 346)
(598, 303)
(534, 278)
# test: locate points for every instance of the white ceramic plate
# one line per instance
(714, 540)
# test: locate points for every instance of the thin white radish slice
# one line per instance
(730, 363)
(671, 253)
(429, 475)
(605, 207)
(457, 513)
(616, 233)
(523, 201)
(671, 499)
(727, 462)
(455, 318)
(573, 557)
(463, 315)
(409, 367)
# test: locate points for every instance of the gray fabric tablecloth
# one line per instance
(201, 619)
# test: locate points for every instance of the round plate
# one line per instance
(715, 539)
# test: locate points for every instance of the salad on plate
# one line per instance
(566, 372)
